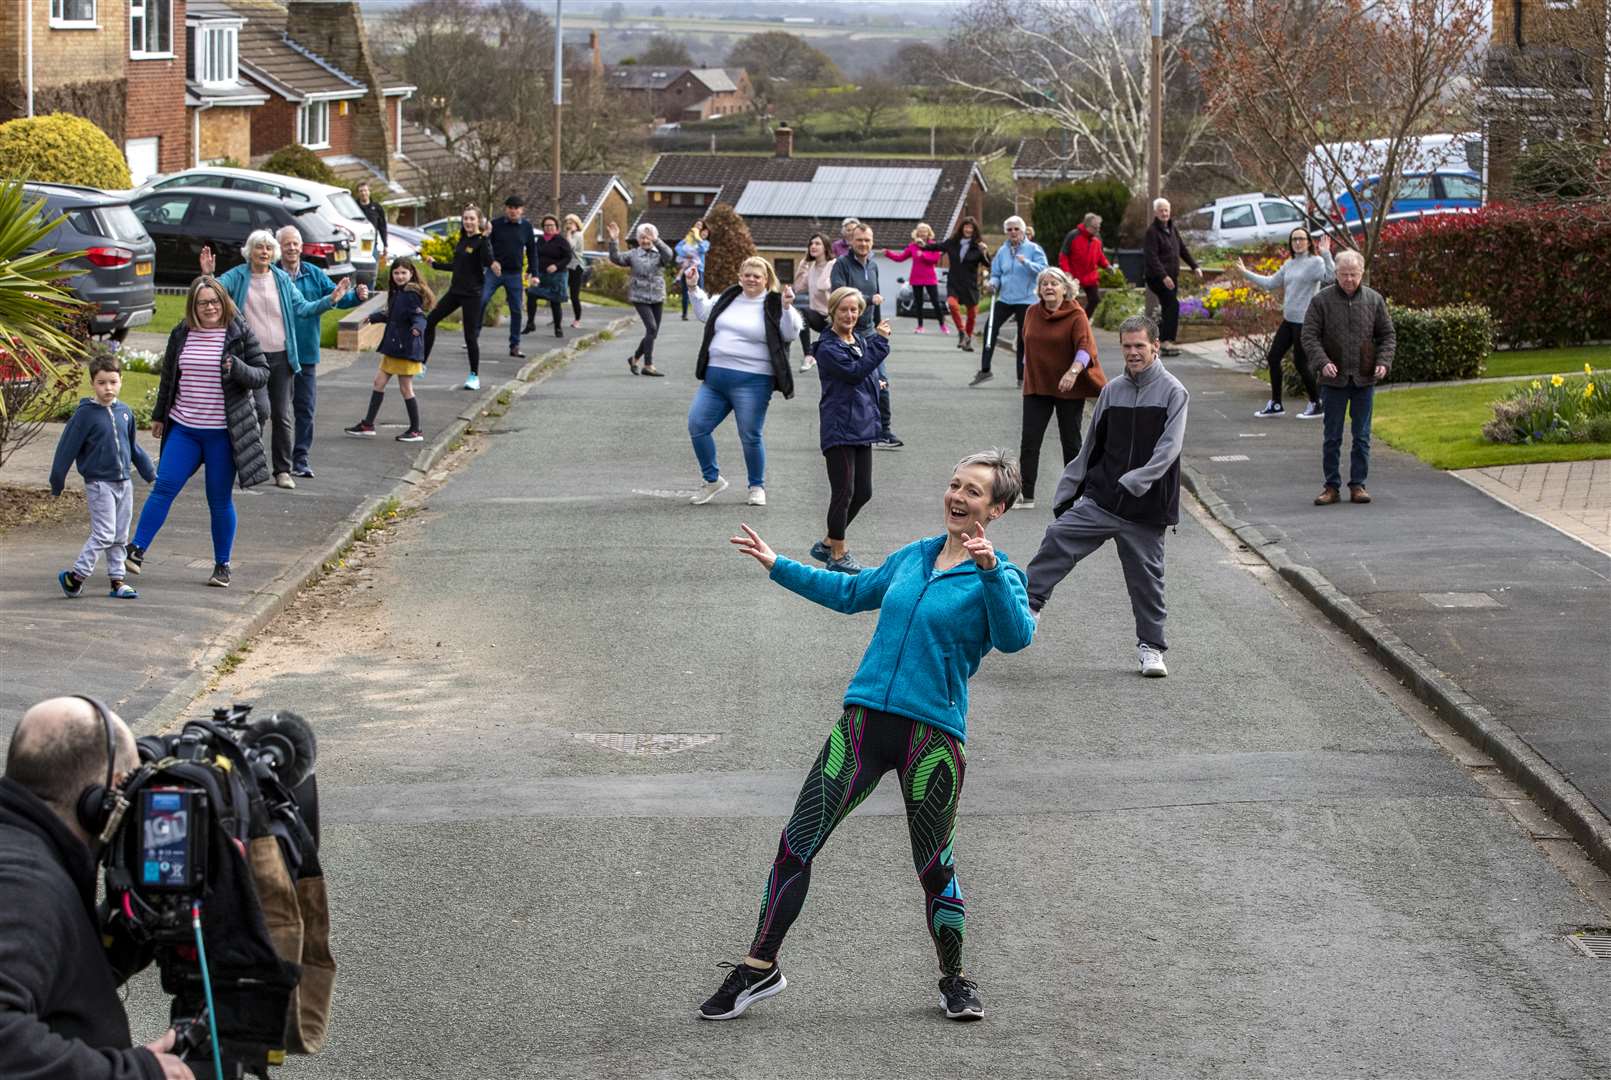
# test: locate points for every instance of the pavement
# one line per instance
(150, 656)
(561, 723)
(1500, 580)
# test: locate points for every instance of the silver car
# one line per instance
(1244, 220)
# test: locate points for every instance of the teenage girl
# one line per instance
(578, 267)
(814, 281)
(402, 348)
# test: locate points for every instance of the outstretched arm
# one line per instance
(847, 593)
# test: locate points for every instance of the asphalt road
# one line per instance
(561, 724)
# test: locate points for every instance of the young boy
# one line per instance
(100, 438)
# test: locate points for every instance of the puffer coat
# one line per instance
(248, 372)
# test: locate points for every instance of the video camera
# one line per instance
(212, 870)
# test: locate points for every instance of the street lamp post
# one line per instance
(559, 89)
(1155, 142)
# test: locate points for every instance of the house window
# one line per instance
(313, 125)
(150, 28)
(73, 13)
(216, 56)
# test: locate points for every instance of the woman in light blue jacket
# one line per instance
(1013, 273)
(1301, 276)
(943, 603)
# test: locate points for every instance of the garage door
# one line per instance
(142, 155)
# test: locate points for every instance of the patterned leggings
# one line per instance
(861, 748)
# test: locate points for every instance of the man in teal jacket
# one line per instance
(1013, 273)
(314, 284)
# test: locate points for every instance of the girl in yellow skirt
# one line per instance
(402, 347)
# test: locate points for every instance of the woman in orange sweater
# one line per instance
(1060, 372)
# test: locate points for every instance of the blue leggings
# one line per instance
(183, 452)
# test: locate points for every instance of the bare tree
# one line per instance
(1332, 91)
(1084, 67)
(872, 101)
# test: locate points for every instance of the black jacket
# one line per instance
(472, 257)
(404, 316)
(60, 1017)
(513, 241)
(555, 253)
(249, 372)
(776, 343)
(962, 275)
(377, 218)
(1164, 249)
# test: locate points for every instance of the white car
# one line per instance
(1240, 220)
(336, 204)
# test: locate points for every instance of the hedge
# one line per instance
(1433, 345)
(1538, 269)
(63, 149)
(1058, 209)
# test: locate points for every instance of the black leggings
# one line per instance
(998, 315)
(471, 303)
(1290, 335)
(1038, 409)
(934, 298)
(556, 305)
(850, 485)
(811, 320)
(1168, 308)
(650, 314)
(1090, 296)
(574, 279)
(863, 746)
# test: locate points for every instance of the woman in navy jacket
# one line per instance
(402, 348)
(849, 419)
(943, 602)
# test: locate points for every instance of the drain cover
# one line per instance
(646, 744)
(1595, 943)
(1460, 599)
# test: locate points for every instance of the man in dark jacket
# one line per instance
(514, 248)
(1164, 250)
(858, 269)
(1124, 485)
(60, 1016)
(377, 218)
(1349, 338)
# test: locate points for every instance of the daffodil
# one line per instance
(1588, 391)
(1556, 380)
(1537, 385)
(1588, 370)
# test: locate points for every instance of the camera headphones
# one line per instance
(100, 806)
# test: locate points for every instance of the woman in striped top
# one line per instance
(204, 416)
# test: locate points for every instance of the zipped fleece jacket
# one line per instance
(932, 631)
(924, 262)
(60, 1015)
(1014, 281)
(1082, 256)
(101, 439)
(313, 284)
(472, 258)
(1129, 463)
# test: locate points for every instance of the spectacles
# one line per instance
(209, 303)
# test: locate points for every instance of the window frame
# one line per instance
(228, 36)
(304, 115)
(62, 22)
(1225, 212)
(1287, 208)
(140, 12)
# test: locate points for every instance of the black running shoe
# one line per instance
(743, 987)
(220, 578)
(132, 558)
(821, 552)
(960, 997)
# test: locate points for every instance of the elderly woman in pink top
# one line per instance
(924, 278)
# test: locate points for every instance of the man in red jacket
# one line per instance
(1082, 256)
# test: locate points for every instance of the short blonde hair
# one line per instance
(843, 293)
(260, 238)
(207, 281)
(922, 230)
(765, 267)
(569, 219)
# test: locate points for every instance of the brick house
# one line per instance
(680, 93)
(597, 198)
(1053, 158)
(219, 101)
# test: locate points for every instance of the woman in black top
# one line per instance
(472, 255)
(965, 252)
(553, 256)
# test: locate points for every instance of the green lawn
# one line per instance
(135, 386)
(1546, 361)
(171, 310)
(1442, 425)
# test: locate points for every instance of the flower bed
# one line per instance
(1557, 410)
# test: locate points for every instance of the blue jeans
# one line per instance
(512, 291)
(1356, 400)
(304, 399)
(184, 450)
(744, 393)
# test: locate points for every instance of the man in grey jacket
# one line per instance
(1124, 485)
(1348, 337)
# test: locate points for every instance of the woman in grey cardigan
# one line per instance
(646, 289)
(1301, 276)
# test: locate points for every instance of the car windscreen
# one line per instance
(345, 205)
(314, 226)
(119, 222)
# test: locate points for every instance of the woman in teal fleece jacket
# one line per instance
(943, 603)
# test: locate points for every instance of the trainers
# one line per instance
(1151, 659)
(917, 330)
(302, 471)
(821, 552)
(1271, 408)
(472, 381)
(1327, 496)
(412, 435)
(120, 591)
(709, 491)
(1358, 494)
(71, 584)
(757, 496)
(363, 429)
(981, 376)
(1024, 504)
(845, 564)
(808, 363)
(1313, 412)
(283, 480)
(959, 998)
(887, 442)
(220, 578)
(133, 558)
(743, 987)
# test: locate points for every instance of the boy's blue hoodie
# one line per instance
(101, 439)
(932, 630)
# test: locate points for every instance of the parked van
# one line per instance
(1418, 194)
(1426, 161)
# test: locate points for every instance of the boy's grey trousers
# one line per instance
(111, 507)
(1083, 528)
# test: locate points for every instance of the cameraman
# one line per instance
(60, 1017)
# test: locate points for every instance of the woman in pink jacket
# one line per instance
(923, 275)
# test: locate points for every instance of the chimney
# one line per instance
(598, 56)
(784, 135)
(334, 31)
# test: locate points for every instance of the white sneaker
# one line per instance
(757, 496)
(1313, 412)
(808, 363)
(284, 480)
(1152, 665)
(472, 382)
(1024, 504)
(709, 491)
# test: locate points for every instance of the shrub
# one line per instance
(1111, 277)
(1509, 258)
(1441, 343)
(1559, 411)
(730, 245)
(1116, 306)
(62, 148)
(302, 163)
(1058, 209)
(609, 280)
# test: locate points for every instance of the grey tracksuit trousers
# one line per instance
(1082, 529)
(111, 508)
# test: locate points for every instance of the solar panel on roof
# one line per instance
(773, 198)
(843, 190)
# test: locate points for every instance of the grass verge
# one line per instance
(1546, 361)
(1442, 425)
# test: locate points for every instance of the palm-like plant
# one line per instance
(34, 304)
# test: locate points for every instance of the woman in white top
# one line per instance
(578, 265)
(815, 280)
(743, 360)
(1306, 271)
